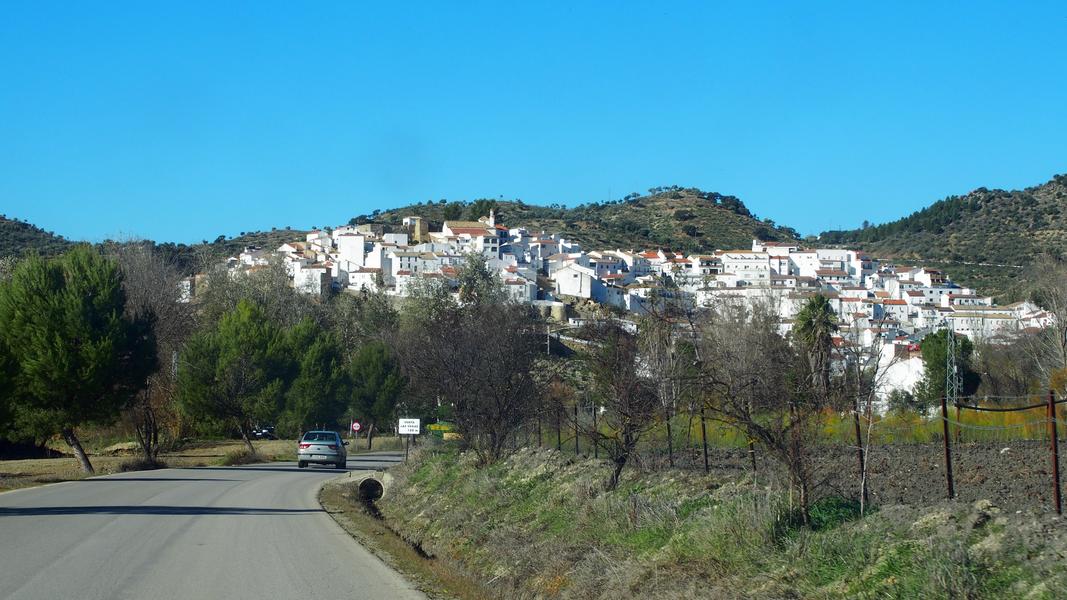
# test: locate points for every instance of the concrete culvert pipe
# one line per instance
(370, 490)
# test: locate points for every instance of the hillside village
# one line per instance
(878, 304)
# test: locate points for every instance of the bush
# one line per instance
(241, 457)
(141, 464)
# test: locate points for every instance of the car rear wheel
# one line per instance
(301, 464)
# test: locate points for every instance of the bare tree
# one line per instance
(629, 398)
(477, 358)
(267, 286)
(151, 282)
(756, 381)
(865, 371)
(665, 361)
(1049, 347)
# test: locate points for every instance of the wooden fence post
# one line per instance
(1055, 452)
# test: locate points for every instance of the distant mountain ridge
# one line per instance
(985, 226)
(989, 234)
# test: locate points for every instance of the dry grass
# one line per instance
(542, 525)
(123, 456)
(436, 577)
(37, 471)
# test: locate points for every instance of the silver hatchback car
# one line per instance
(322, 447)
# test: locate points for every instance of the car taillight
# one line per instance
(305, 445)
(331, 446)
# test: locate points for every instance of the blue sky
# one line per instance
(188, 120)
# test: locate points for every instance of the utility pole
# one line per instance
(953, 382)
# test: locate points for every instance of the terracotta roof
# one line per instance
(472, 231)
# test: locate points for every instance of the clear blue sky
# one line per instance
(184, 121)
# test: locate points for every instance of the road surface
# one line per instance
(254, 531)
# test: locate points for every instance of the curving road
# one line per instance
(212, 532)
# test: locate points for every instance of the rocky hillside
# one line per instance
(682, 219)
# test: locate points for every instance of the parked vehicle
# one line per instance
(265, 433)
(321, 447)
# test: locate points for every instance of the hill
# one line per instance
(18, 237)
(680, 219)
(988, 237)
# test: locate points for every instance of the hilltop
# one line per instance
(18, 237)
(987, 236)
(676, 218)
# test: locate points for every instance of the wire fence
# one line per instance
(1050, 424)
(971, 420)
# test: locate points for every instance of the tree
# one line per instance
(452, 211)
(77, 356)
(1048, 348)
(269, 288)
(356, 319)
(151, 281)
(478, 284)
(316, 393)
(630, 401)
(814, 329)
(377, 384)
(480, 208)
(756, 381)
(931, 388)
(477, 358)
(234, 373)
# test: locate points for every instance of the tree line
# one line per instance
(90, 338)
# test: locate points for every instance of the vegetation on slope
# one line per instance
(682, 219)
(985, 237)
(541, 525)
(18, 237)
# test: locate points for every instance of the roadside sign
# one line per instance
(356, 426)
(408, 427)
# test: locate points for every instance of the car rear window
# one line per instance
(320, 436)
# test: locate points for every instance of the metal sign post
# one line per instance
(408, 428)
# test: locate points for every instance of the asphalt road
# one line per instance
(212, 532)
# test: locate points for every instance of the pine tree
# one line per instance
(75, 357)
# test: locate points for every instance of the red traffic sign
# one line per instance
(356, 426)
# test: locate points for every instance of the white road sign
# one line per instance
(356, 426)
(408, 427)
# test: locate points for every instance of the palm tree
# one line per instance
(815, 326)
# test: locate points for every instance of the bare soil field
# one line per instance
(1015, 475)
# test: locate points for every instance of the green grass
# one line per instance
(543, 524)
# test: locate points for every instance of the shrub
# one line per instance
(241, 457)
(141, 464)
